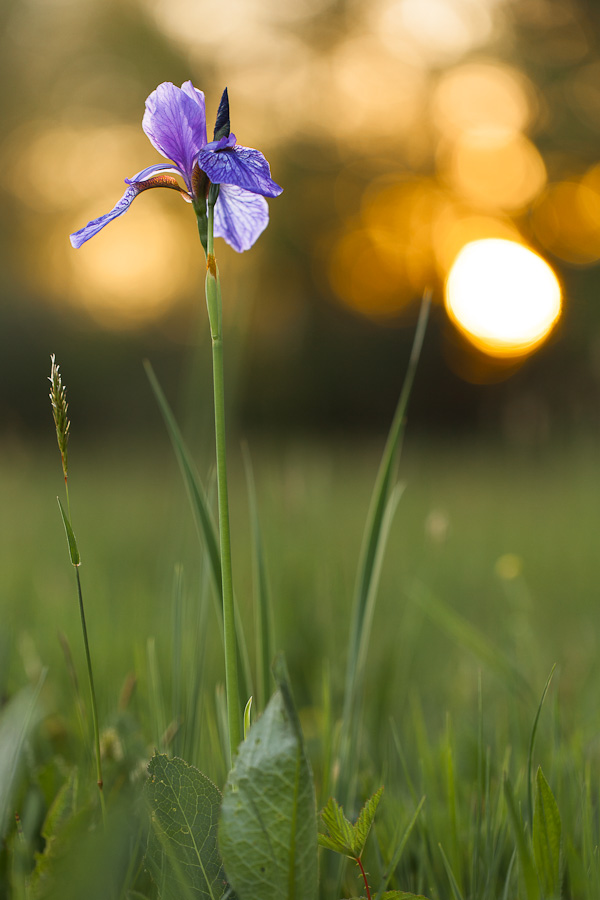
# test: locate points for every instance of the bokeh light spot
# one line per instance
(441, 30)
(476, 96)
(495, 169)
(567, 220)
(503, 297)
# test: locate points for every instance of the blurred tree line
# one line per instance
(300, 360)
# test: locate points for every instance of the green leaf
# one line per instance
(73, 549)
(546, 836)
(524, 853)
(268, 826)
(16, 723)
(402, 895)
(532, 744)
(365, 820)
(397, 895)
(182, 853)
(61, 812)
(343, 837)
(341, 831)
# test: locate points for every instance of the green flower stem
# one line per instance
(213, 302)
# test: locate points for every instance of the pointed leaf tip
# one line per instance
(223, 125)
(73, 549)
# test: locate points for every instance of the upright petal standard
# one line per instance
(175, 124)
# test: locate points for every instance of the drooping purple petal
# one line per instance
(240, 166)
(175, 123)
(240, 216)
(92, 228)
(135, 187)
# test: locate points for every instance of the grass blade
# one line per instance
(524, 853)
(532, 744)
(456, 891)
(399, 851)
(470, 637)
(383, 503)
(262, 598)
(203, 517)
(547, 836)
(205, 524)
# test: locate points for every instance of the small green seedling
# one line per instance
(349, 840)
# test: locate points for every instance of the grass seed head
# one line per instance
(58, 399)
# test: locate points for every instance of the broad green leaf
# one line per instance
(268, 826)
(546, 836)
(16, 722)
(73, 549)
(182, 852)
(524, 853)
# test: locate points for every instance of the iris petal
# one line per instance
(240, 216)
(137, 184)
(92, 228)
(175, 123)
(149, 171)
(239, 166)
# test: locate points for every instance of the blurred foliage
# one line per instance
(358, 114)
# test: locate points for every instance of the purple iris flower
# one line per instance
(175, 123)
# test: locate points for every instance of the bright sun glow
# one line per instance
(503, 296)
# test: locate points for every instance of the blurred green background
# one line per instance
(400, 130)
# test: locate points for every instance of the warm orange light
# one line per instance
(455, 226)
(380, 264)
(567, 220)
(482, 95)
(496, 169)
(503, 297)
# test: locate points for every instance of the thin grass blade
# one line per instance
(532, 744)
(389, 871)
(524, 852)
(262, 598)
(205, 524)
(370, 556)
(467, 635)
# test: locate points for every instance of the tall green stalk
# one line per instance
(58, 398)
(214, 306)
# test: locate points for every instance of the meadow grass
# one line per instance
(488, 581)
